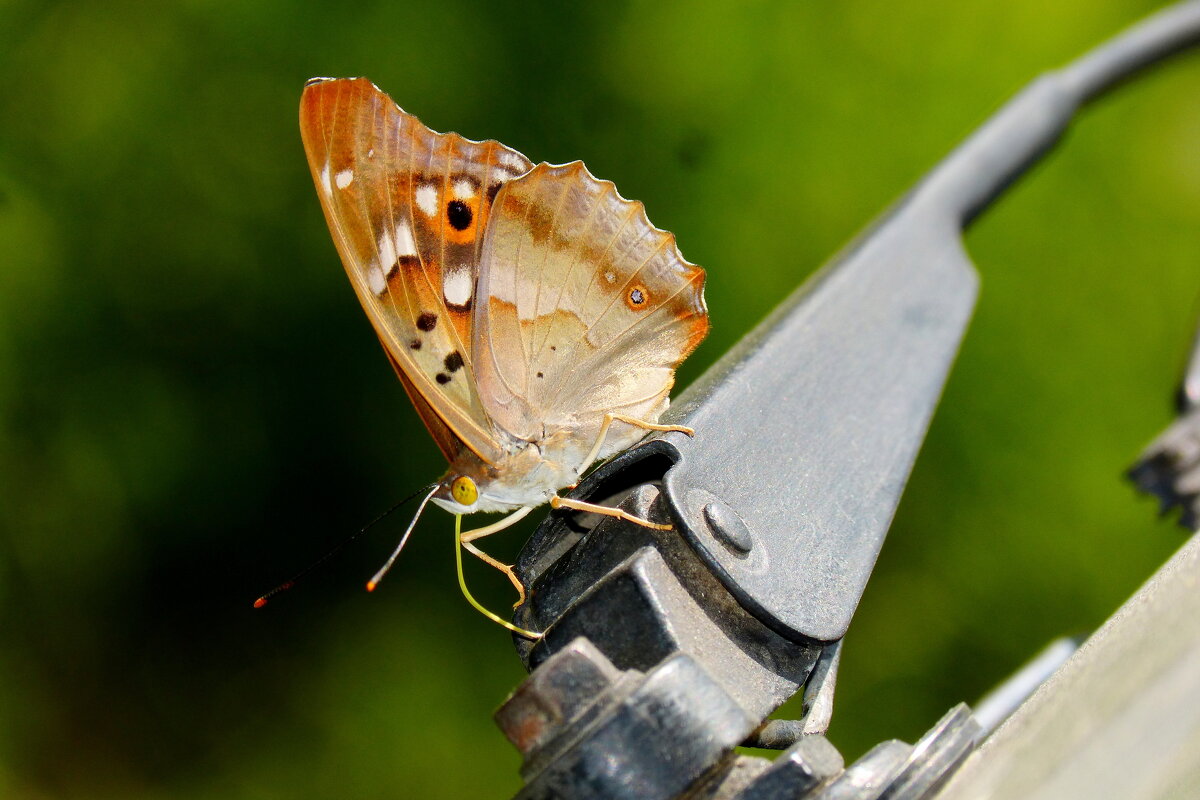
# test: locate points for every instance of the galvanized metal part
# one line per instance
(998, 704)
(869, 777)
(1188, 396)
(780, 734)
(809, 764)
(589, 730)
(936, 756)
(819, 689)
(898, 771)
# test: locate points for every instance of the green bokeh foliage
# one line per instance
(192, 405)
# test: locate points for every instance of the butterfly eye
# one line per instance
(464, 491)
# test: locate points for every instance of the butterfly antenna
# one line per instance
(290, 582)
(378, 576)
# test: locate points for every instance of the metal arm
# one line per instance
(664, 650)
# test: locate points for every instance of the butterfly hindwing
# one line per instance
(407, 208)
(589, 308)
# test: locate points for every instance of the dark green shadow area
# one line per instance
(192, 405)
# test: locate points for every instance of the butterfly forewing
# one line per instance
(589, 307)
(407, 208)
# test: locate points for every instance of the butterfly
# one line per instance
(533, 315)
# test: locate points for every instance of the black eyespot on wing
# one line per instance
(442, 378)
(415, 344)
(427, 321)
(540, 375)
(454, 361)
(459, 215)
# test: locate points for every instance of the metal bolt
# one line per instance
(728, 527)
(554, 695)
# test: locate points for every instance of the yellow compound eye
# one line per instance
(464, 491)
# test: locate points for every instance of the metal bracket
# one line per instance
(589, 730)
(663, 651)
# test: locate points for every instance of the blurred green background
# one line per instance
(192, 405)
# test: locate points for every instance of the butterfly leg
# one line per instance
(499, 525)
(579, 505)
(462, 581)
(612, 417)
(465, 540)
(505, 568)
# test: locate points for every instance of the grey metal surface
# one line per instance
(1121, 719)
(836, 392)
(869, 777)
(936, 756)
(898, 771)
(836, 389)
(802, 769)
(1189, 389)
(650, 672)
(818, 691)
(586, 729)
(641, 596)
(817, 710)
(998, 704)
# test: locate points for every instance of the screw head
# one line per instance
(728, 527)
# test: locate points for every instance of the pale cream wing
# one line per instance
(589, 308)
(407, 208)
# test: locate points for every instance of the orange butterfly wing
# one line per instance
(407, 208)
(590, 308)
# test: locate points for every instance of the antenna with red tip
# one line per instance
(378, 576)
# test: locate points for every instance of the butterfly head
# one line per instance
(462, 492)
(458, 494)
(472, 486)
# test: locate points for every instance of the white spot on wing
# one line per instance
(511, 161)
(343, 178)
(405, 246)
(464, 190)
(610, 276)
(456, 286)
(387, 254)
(427, 199)
(376, 280)
(325, 179)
